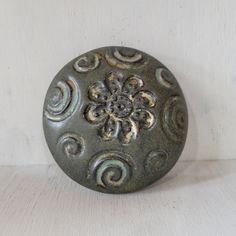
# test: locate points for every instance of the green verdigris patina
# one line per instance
(115, 119)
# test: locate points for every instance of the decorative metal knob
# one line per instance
(115, 119)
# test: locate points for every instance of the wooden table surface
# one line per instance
(195, 198)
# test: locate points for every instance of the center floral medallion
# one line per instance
(121, 106)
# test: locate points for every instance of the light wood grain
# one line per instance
(195, 198)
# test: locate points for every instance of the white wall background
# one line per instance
(196, 39)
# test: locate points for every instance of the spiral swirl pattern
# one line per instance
(165, 78)
(72, 145)
(133, 59)
(110, 170)
(87, 63)
(63, 100)
(157, 160)
(174, 119)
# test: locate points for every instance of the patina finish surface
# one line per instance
(115, 119)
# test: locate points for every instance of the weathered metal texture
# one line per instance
(115, 119)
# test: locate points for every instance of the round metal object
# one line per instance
(115, 119)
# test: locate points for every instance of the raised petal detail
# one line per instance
(113, 82)
(132, 85)
(110, 129)
(144, 99)
(128, 131)
(144, 118)
(98, 92)
(95, 113)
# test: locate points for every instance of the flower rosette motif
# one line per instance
(121, 106)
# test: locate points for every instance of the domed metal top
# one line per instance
(115, 119)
